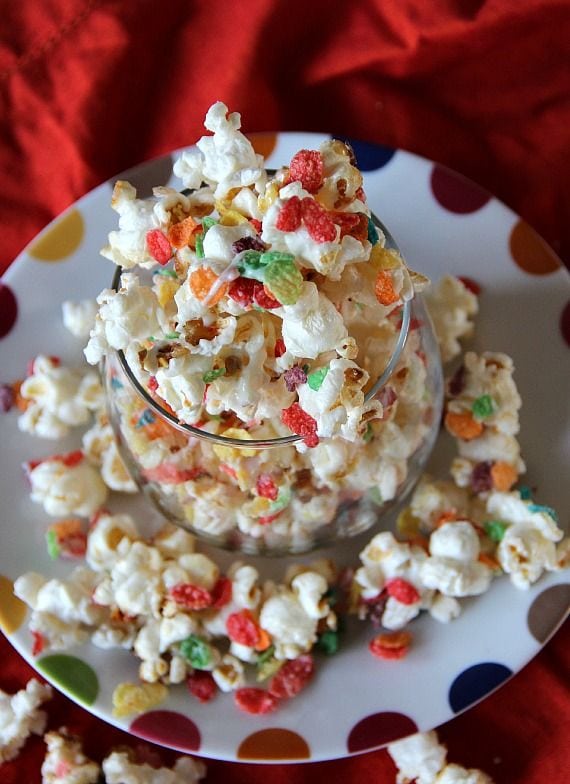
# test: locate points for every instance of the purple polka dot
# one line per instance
(455, 192)
(168, 728)
(369, 156)
(379, 729)
(8, 309)
(565, 323)
(476, 682)
(547, 611)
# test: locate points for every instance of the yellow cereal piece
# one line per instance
(129, 698)
(229, 216)
(384, 258)
(166, 289)
(407, 523)
(234, 453)
(271, 193)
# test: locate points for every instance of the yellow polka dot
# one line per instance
(12, 609)
(274, 744)
(61, 240)
(530, 252)
(263, 143)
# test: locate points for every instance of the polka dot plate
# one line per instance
(444, 224)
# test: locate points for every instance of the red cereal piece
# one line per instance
(392, 645)
(318, 221)
(202, 685)
(266, 519)
(257, 701)
(242, 628)
(222, 592)
(290, 215)
(152, 384)
(263, 298)
(470, 284)
(39, 643)
(353, 223)
(301, 423)
(402, 591)
(158, 246)
(266, 487)
(280, 348)
(70, 459)
(241, 290)
(306, 167)
(191, 597)
(292, 677)
(257, 225)
(172, 475)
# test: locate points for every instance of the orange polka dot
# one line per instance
(60, 240)
(263, 143)
(274, 744)
(530, 252)
(12, 609)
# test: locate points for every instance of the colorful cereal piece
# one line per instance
(222, 592)
(483, 407)
(7, 398)
(307, 167)
(66, 539)
(197, 651)
(290, 215)
(317, 221)
(241, 290)
(284, 281)
(328, 642)
(256, 701)
(402, 591)
(243, 628)
(202, 685)
(266, 487)
(180, 233)
(129, 698)
(263, 298)
(495, 529)
(191, 597)
(384, 288)
(316, 378)
(292, 677)
(202, 282)
(391, 645)
(293, 377)
(158, 246)
(463, 425)
(503, 475)
(301, 423)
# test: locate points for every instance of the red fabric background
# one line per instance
(88, 89)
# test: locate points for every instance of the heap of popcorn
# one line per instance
(183, 618)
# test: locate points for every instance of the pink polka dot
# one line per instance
(455, 192)
(565, 323)
(8, 310)
(168, 728)
(379, 729)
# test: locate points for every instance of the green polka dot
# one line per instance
(72, 674)
(61, 239)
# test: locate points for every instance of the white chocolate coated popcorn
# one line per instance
(65, 762)
(67, 489)
(79, 317)
(451, 306)
(453, 568)
(20, 717)
(120, 769)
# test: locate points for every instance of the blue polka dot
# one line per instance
(475, 683)
(369, 156)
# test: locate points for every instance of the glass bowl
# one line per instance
(208, 483)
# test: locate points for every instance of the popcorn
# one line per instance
(100, 446)
(452, 567)
(451, 305)
(421, 758)
(119, 768)
(79, 317)
(67, 487)
(65, 763)
(20, 717)
(59, 398)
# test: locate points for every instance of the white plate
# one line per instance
(356, 702)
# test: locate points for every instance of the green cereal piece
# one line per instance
(251, 265)
(200, 246)
(276, 256)
(483, 406)
(495, 529)
(265, 655)
(544, 509)
(368, 433)
(283, 279)
(212, 375)
(316, 378)
(283, 499)
(376, 496)
(207, 223)
(328, 642)
(331, 596)
(196, 651)
(266, 669)
(166, 273)
(52, 544)
(172, 335)
(372, 232)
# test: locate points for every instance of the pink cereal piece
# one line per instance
(158, 246)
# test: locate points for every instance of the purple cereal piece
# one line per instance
(481, 479)
(456, 383)
(248, 243)
(6, 398)
(293, 377)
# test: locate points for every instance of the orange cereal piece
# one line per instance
(180, 233)
(490, 561)
(384, 288)
(463, 426)
(20, 402)
(201, 283)
(503, 475)
(264, 640)
(391, 645)
(447, 516)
